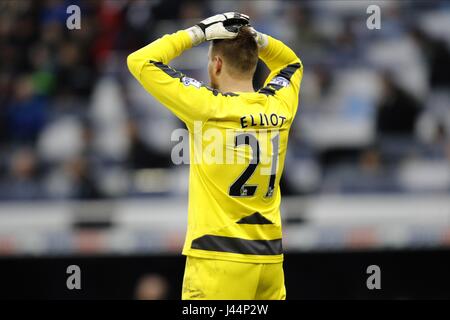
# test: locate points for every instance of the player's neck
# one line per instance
(233, 85)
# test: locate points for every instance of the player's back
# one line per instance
(237, 158)
(238, 145)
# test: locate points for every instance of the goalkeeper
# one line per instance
(234, 237)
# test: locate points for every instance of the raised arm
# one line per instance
(162, 50)
(286, 69)
(187, 98)
(275, 54)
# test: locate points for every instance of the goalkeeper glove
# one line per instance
(220, 26)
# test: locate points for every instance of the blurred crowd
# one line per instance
(374, 110)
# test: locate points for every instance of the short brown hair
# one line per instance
(240, 53)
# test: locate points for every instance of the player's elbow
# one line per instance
(295, 61)
(294, 58)
(133, 64)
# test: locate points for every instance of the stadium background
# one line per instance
(86, 175)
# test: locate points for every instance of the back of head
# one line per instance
(240, 54)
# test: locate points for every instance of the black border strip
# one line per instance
(238, 245)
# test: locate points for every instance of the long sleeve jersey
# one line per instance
(237, 144)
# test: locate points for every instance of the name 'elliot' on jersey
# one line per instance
(234, 208)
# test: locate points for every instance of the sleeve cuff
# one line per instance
(196, 34)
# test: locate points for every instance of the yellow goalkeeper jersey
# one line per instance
(237, 143)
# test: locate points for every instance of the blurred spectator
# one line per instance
(140, 155)
(152, 287)
(53, 80)
(397, 111)
(345, 48)
(21, 181)
(368, 175)
(26, 113)
(324, 79)
(74, 74)
(84, 186)
(110, 22)
(42, 76)
(52, 33)
(437, 56)
(73, 179)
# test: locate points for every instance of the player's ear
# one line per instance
(218, 64)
